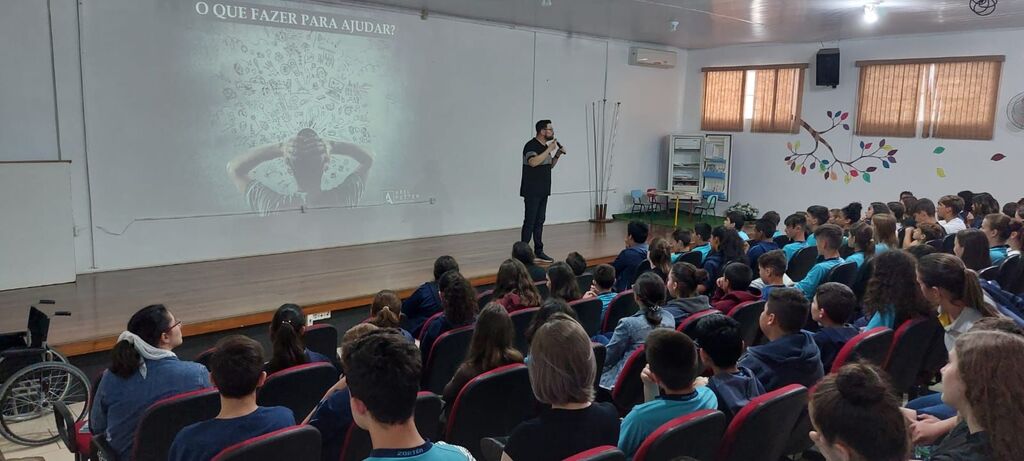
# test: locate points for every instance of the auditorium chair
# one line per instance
(322, 338)
(584, 281)
(622, 305)
(845, 250)
(989, 273)
(761, 428)
(801, 263)
(296, 443)
(1011, 275)
(936, 243)
(357, 444)
(542, 287)
(75, 439)
(161, 421)
(900, 235)
(629, 388)
(948, 243)
(693, 257)
(747, 314)
(521, 321)
(871, 346)
(696, 435)
(444, 358)
(204, 357)
(490, 405)
(863, 275)
(910, 347)
(589, 312)
(781, 241)
(599, 355)
(426, 323)
(602, 453)
(689, 324)
(298, 388)
(845, 273)
(485, 297)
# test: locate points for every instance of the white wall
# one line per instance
(489, 82)
(761, 177)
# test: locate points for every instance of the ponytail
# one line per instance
(149, 323)
(649, 290)
(386, 309)
(286, 335)
(387, 318)
(687, 277)
(974, 295)
(949, 273)
(124, 360)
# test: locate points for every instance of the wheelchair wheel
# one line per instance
(26, 412)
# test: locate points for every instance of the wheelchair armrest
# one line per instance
(101, 448)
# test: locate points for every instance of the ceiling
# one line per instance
(712, 23)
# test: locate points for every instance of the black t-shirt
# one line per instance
(559, 434)
(961, 445)
(536, 180)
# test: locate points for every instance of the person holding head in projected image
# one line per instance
(305, 170)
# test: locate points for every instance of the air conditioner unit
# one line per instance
(652, 58)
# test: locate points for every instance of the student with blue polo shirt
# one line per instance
(682, 241)
(603, 286)
(236, 368)
(817, 215)
(383, 398)
(701, 240)
(996, 227)
(735, 220)
(426, 300)
(790, 356)
(761, 241)
(626, 262)
(796, 230)
(773, 217)
(828, 239)
(671, 370)
(861, 235)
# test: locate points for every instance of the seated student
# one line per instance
(828, 238)
(834, 216)
(726, 248)
(626, 262)
(856, 417)
(286, 336)
(898, 210)
(862, 243)
(562, 283)
(947, 283)
(577, 263)
(948, 211)
(426, 300)
(1010, 209)
(522, 252)
(682, 242)
(892, 295)
(849, 215)
(683, 280)
(884, 234)
(562, 372)
(817, 215)
(603, 286)
(997, 228)
(926, 232)
(832, 307)
(513, 287)
(143, 370)
(548, 310)
(632, 331)
(702, 240)
(790, 356)
(971, 246)
(733, 288)
(773, 217)
(460, 308)
(659, 259)
(796, 230)
(236, 368)
(721, 345)
(771, 268)
(922, 212)
(968, 198)
(333, 415)
(490, 348)
(761, 241)
(1016, 240)
(984, 205)
(386, 312)
(383, 398)
(876, 208)
(736, 220)
(672, 368)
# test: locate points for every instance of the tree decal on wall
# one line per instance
(821, 158)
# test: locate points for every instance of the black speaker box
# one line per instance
(827, 67)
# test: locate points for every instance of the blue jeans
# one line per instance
(932, 405)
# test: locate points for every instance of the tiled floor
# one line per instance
(52, 452)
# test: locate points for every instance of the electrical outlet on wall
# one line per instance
(317, 316)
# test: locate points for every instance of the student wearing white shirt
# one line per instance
(949, 210)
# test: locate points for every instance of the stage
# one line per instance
(222, 295)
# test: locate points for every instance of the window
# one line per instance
(952, 98)
(770, 96)
(723, 100)
(777, 99)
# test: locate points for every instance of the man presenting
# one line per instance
(540, 155)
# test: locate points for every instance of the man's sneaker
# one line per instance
(545, 258)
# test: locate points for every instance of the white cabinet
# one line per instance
(699, 165)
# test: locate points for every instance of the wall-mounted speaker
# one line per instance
(827, 67)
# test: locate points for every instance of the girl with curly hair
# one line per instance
(893, 295)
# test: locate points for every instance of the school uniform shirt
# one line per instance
(881, 248)
(743, 235)
(735, 390)
(811, 240)
(429, 451)
(625, 265)
(830, 341)
(817, 275)
(857, 257)
(537, 273)
(758, 249)
(961, 325)
(704, 250)
(953, 225)
(767, 289)
(998, 254)
(333, 418)
(203, 440)
(606, 299)
(418, 307)
(791, 359)
(790, 249)
(558, 434)
(961, 445)
(778, 234)
(681, 308)
(886, 318)
(645, 418)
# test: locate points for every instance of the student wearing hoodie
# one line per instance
(734, 288)
(721, 345)
(828, 239)
(626, 262)
(761, 243)
(832, 307)
(790, 357)
(683, 280)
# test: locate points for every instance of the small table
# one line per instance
(690, 198)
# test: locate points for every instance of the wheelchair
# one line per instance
(32, 377)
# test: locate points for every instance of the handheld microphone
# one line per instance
(560, 148)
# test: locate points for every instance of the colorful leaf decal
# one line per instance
(823, 167)
(939, 150)
(792, 166)
(846, 127)
(892, 152)
(829, 114)
(888, 147)
(846, 179)
(834, 176)
(789, 146)
(787, 159)
(881, 143)
(803, 170)
(940, 172)
(826, 176)
(854, 173)
(892, 159)
(796, 145)
(885, 163)
(867, 146)
(824, 161)
(872, 168)
(845, 114)
(998, 157)
(812, 166)
(866, 177)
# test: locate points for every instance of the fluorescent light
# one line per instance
(545, 2)
(871, 13)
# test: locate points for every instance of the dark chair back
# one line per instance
(521, 321)
(910, 345)
(589, 312)
(165, 417)
(298, 388)
(948, 242)
(542, 287)
(444, 358)
(622, 305)
(845, 273)
(845, 251)
(693, 257)
(322, 338)
(485, 297)
(872, 346)
(600, 353)
(781, 240)
(584, 280)
(1011, 275)
(689, 323)
(602, 453)
(747, 314)
(989, 273)
(299, 443)
(900, 235)
(204, 357)
(629, 388)
(357, 444)
(432, 319)
(490, 405)
(801, 263)
(863, 275)
(761, 429)
(70, 433)
(936, 243)
(696, 435)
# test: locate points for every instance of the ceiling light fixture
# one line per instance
(545, 2)
(871, 13)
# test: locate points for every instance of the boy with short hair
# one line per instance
(832, 307)
(384, 397)
(771, 267)
(817, 215)
(735, 220)
(236, 368)
(681, 242)
(796, 230)
(996, 227)
(721, 345)
(923, 211)
(790, 356)
(761, 242)
(701, 240)
(773, 217)
(949, 210)
(829, 238)
(672, 366)
(733, 287)
(577, 263)
(603, 286)
(626, 262)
